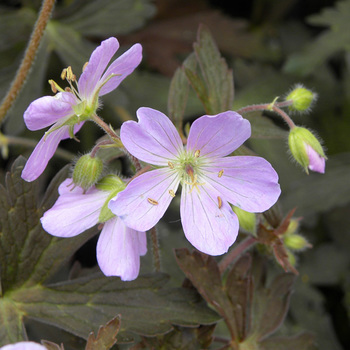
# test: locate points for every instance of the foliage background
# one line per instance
(270, 44)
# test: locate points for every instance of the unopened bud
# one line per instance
(306, 149)
(87, 171)
(296, 242)
(301, 98)
(247, 221)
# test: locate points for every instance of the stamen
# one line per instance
(68, 89)
(53, 86)
(64, 74)
(221, 173)
(171, 165)
(69, 73)
(197, 153)
(172, 194)
(152, 201)
(219, 202)
(84, 66)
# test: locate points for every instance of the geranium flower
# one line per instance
(68, 110)
(209, 181)
(118, 248)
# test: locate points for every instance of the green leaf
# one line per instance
(304, 341)
(182, 339)
(178, 93)
(110, 17)
(106, 336)
(29, 255)
(146, 307)
(12, 329)
(264, 128)
(69, 45)
(214, 83)
(336, 39)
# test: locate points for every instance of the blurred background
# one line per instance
(271, 45)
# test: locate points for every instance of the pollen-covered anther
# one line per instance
(64, 74)
(70, 75)
(172, 193)
(219, 202)
(152, 201)
(68, 89)
(84, 66)
(53, 86)
(197, 153)
(221, 172)
(171, 165)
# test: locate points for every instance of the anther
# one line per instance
(69, 73)
(64, 74)
(219, 202)
(152, 201)
(53, 86)
(84, 66)
(197, 153)
(171, 165)
(68, 89)
(221, 173)
(172, 194)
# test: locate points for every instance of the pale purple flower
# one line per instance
(317, 162)
(209, 181)
(118, 249)
(24, 345)
(68, 110)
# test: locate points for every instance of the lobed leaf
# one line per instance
(146, 307)
(29, 255)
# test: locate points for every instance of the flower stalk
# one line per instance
(29, 57)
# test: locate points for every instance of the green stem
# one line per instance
(29, 57)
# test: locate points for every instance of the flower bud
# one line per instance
(295, 241)
(306, 149)
(301, 98)
(247, 220)
(87, 171)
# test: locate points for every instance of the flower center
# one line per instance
(188, 166)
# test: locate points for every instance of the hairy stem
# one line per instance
(155, 249)
(29, 56)
(276, 107)
(236, 252)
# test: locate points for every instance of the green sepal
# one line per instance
(114, 185)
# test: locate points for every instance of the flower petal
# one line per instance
(23, 345)
(145, 199)
(209, 223)
(316, 162)
(98, 62)
(48, 110)
(73, 212)
(218, 135)
(122, 66)
(249, 183)
(119, 249)
(44, 151)
(41, 155)
(154, 139)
